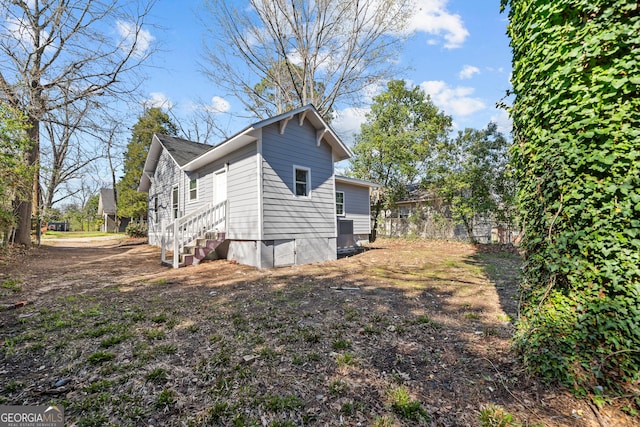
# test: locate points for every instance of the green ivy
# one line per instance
(576, 114)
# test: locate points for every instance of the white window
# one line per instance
(340, 202)
(193, 189)
(302, 181)
(174, 201)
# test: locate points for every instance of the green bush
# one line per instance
(576, 120)
(136, 229)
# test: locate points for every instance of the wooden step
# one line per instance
(203, 248)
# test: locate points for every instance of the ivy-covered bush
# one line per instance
(576, 114)
(136, 229)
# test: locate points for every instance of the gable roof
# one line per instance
(106, 202)
(190, 156)
(182, 150)
(245, 136)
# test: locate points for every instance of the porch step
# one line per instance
(204, 248)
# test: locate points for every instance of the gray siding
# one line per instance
(356, 207)
(167, 175)
(206, 185)
(285, 215)
(242, 192)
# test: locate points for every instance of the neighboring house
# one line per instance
(414, 201)
(265, 197)
(421, 213)
(107, 210)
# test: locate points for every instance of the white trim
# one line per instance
(283, 123)
(295, 192)
(303, 115)
(319, 134)
(355, 181)
(259, 172)
(247, 135)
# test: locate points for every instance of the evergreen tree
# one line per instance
(131, 203)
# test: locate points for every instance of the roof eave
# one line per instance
(355, 181)
(238, 140)
(150, 164)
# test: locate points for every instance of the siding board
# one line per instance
(242, 193)
(356, 207)
(167, 174)
(284, 213)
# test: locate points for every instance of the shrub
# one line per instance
(136, 229)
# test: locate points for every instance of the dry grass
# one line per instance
(424, 340)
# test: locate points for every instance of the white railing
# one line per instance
(177, 233)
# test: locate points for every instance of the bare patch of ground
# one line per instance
(406, 333)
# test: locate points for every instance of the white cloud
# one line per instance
(347, 123)
(131, 33)
(468, 71)
(218, 105)
(158, 100)
(504, 122)
(432, 17)
(24, 33)
(456, 101)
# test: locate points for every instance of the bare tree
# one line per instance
(56, 53)
(202, 125)
(297, 52)
(66, 151)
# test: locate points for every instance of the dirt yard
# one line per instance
(405, 333)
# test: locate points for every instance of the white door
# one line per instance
(220, 194)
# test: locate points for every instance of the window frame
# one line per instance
(342, 204)
(307, 184)
(175, 201)
(193, 192)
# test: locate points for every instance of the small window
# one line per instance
(155, 209)
(174, 201)
(340, 202)
(302, 182)
(193, 189)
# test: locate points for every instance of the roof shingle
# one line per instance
(182, 150)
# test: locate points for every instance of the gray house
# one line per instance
(107, 210)
(267, 197)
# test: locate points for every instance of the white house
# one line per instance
(267, 197)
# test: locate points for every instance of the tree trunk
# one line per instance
(374, 231)
(468, 225)
(26, 208)
(113, 183)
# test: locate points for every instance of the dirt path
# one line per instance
(406, 333)
(80, 264)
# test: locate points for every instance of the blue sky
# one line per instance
(458, 53)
